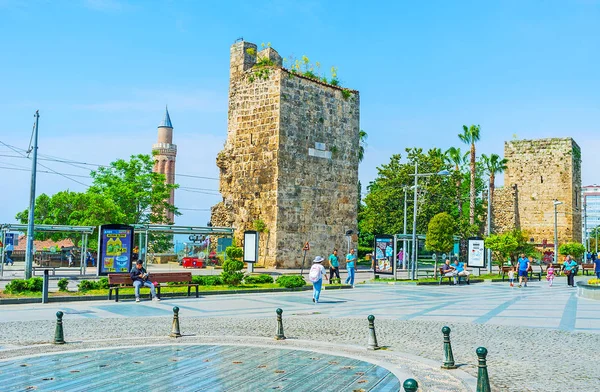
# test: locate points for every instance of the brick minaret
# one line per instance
(165, 153)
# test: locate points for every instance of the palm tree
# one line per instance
(362, 143)
(493, 165)
(455, 157)
(470, 136)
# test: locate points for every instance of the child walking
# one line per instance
(550, 275)
(511, 277)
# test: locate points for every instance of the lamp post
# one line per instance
(489, 228)
(556, 203)
(414, 233)
(404, 248)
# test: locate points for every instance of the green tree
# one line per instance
(574, 249)
(457, 160)
(493, 165)
(232, 267)
(362, 143)
(470, 136)
(440, 235)
(502, 246)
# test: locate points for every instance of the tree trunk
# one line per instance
(472, 199)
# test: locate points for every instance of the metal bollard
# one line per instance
(448, 357)
(372, 345)
(45, 287)
(410, 385)
(59, 336)
(279, 335)
(483, 381)
(175, 333)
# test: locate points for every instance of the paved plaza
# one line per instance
(527, 331)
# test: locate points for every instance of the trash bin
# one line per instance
(192, 262)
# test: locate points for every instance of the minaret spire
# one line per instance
(166, 122)
(165, 153)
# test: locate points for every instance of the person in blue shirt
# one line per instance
(351, 267)
(597, 267)
(524, 265)
(334, 265)
(8, 250)
(569, 268)
(460, 270)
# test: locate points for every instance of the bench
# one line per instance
(530, 276)
(585, 268)
(450, 278)
(424, 272)
(180, 279)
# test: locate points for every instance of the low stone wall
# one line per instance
(588, 291)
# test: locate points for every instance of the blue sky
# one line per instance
(101, 71)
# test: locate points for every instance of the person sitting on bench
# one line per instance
(449, 270)
(139, 276)
(460, 270)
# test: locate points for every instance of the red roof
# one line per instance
(40, 245)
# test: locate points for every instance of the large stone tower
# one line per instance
(290, 160)
(165, 153)
(539, 172)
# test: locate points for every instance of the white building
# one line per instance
(591, 210)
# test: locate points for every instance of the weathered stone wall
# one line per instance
(544, 170)
(290, 160)
(505, 214)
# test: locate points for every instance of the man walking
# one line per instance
(334, 265)
(8, 250)
(524, 266)
(316, 274)
(350, 267)
(139, 277)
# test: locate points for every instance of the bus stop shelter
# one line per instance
(84, 231)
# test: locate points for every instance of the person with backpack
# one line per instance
(316, 274)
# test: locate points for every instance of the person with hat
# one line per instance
(316, 274)
(139, 276)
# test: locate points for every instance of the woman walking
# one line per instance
(316, 274)
(570, 267)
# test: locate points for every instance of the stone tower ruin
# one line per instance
(290, 162)
(539, 172)
(165, 153)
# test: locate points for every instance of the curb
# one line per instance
(19, 301)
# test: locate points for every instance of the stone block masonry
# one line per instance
(539, 172)
(290, 159)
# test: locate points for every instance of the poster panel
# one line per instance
(384, 254)
(250, 246)
(115, 249)
(476, 256)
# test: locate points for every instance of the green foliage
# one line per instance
(346, 94)
(102, 283)
(575, 249)
(127, 192)
(260, 226)
(233, 266)
(24, 285)
(509, 245)
(291, 281)
(62, 284)
(362, 144)
(234, 252)
(363, 251)
(258, 279)
(87, 285)
(440, 233)
(207, 280)
(334, 82)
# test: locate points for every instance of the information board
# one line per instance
(115, 246)
(250, 246)
(476, 256)
(384, 255)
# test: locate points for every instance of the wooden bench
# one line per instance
(180, 279)
(585, 268)
(450, 278)
(531, 273)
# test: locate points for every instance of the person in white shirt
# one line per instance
(316, 274)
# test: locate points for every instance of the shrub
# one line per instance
(291, 281)
(213, 280)
(234, 253)
(35, 284)
(232, 272)
(62, 284)
(87, 285)
(102, 283)
(257, 279)
(16, 286)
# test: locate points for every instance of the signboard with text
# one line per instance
(476, 256)
(384, 254)
(115, 249)
(250, 246)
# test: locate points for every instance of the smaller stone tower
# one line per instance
(165, 153)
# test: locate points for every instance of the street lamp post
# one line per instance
(556, 203)
(404, 248)
(414, 233)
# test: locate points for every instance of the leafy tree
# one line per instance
(493, 165)
(502, 245)
(440, 235)
(232, 267)
(362, 143)
(575, 249)
(470, 136)
(457, 159)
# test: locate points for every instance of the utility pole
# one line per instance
(556, 203)
(30, 221)
(489, 228)
(404, 248)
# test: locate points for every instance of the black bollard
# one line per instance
(45, 287)
(279, 335)
(410, 385)
(59, 336)
(175, 333)
(483, 381)
(448, 357)
(372, 345)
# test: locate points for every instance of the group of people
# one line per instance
(569, 268)
(455, 270)
(317, 271)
